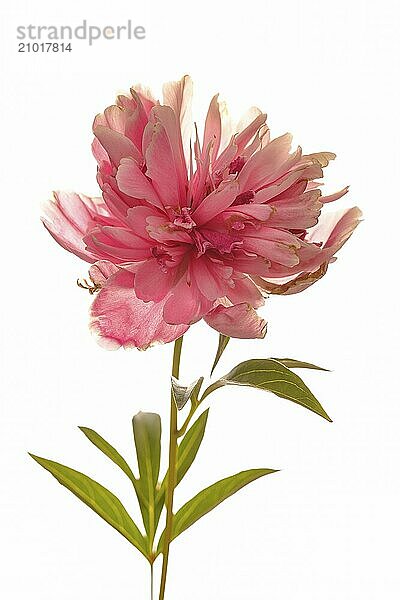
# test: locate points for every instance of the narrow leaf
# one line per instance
(109, 451)
(147, 434)
(189, 446)
(98, 498)
(222, 344)
(292, 363)
(272, 376)
(187, 452)
(182, 393)
(209, 498)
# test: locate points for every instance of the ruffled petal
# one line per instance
(335, 196)
(263, 165)
(212, 129)
(132, 181)
(152, 281)
(68, 217)
(186, 304)
(331, 233)
(163, 149)
(246, 291)
(117, 145)
(178, 95)
(238, 321)
(216, 202)
(119, 318)
(100, 271)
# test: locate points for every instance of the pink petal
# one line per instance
(99, 153)
(246, 291)
(333, 230)
(216, 202)
(335, 196)
(238, 321)
(260, 212)
(250, 130)
(186, 304)
(112, 242)
(138, 219)
(212, 129)
(119, 318)
(166, 137)
(132, 181)
(152, 281)
(298, 212)
(67, 218)
(274, 244)
(178, 95)
(285, 183)
(116, 145)
(213, 278)
(292, 286)
(262, 166)
(145, 96)
(161, 167)
(100, 271)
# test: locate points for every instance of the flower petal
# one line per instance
(100, 271)
(262, 166)
(67, 218)
(152, 282)
(212, 129)
(238, 321)
(334, 230)
(216, 202)
(178, 95)
(133, 182)
(186, 304)
(119, 318)
(163, 149)
(116, 144)
(161, 167)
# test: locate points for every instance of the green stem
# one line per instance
(185, 425)
(152, 581)
(171, 482)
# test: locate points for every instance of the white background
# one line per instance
(325, 527)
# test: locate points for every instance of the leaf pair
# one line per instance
(147, 435)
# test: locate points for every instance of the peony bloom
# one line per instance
(192, 228)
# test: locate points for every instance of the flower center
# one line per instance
(162, 256)
(236, 165)
(184, 220)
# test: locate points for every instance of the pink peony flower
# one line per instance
(189, 229)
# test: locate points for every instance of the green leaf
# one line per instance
(182, 393)
(187, 452)
(272, 376)
(292, 363)
(189, 446)
(147, 434)
(209, 498)
(98, 498)
(222, 344)
(109, 451)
